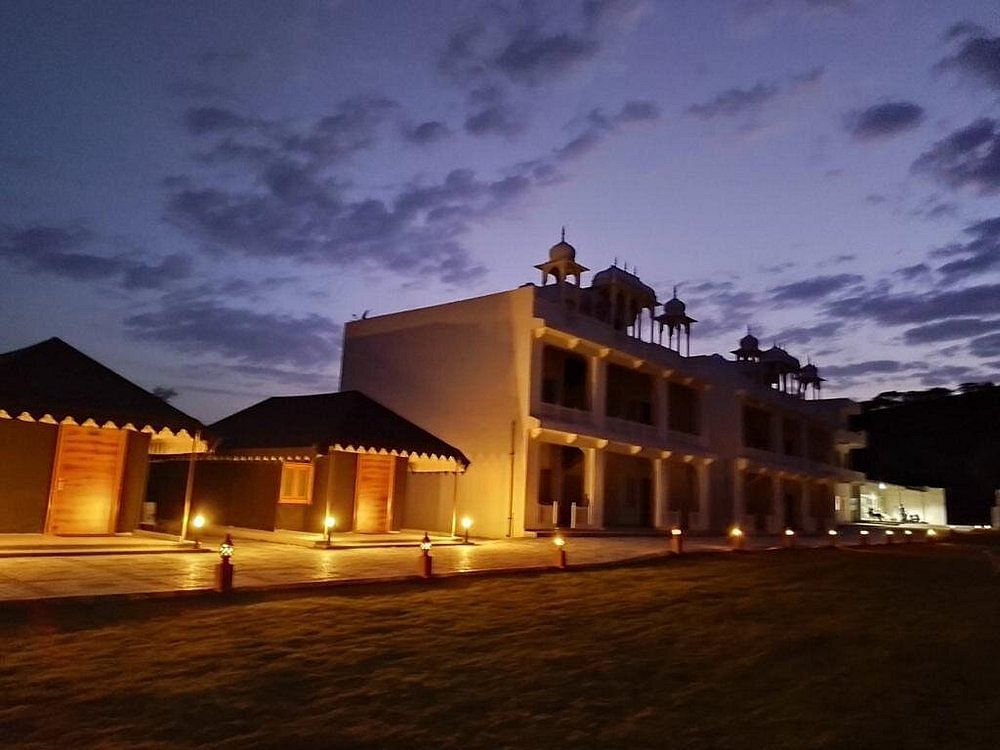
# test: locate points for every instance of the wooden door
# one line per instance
(373, 494)
(86, 481)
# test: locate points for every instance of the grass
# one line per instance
(887, 648)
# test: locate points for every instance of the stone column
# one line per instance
(537, 375)
(805, 506)
(703, 520)
(663, 406)
(776, 520)
(739, 508)
(593, 482)
(598, 389)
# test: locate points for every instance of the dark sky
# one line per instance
(200, 194)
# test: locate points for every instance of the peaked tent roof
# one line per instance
(347, 418)
(51, 377)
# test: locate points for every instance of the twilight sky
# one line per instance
(200, 194)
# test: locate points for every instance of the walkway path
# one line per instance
(273, 565)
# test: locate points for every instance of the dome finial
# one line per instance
(562, 237)
(675, 291)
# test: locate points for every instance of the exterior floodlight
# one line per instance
(832, 532)
(559, 541)
(425, 543)
(466, 525)
(864, 537)
(889, 533)
(906, 535)
(789, 538)
(881, 485)
(931, 534)
(789, 532)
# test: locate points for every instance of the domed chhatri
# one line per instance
(749, 350)
(561, 264)
(749, 341)
(676, 319)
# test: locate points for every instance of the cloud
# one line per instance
(66, 251)
(948, 330)
(516, 42)
(916, 271)
(816, 288)
(531, 57)
(732, 102)
(883, 120)
(808, 334)
(426, 133)
(878, 306)
(978, 57)
(203, 120)
(978, 255)
(963, 29)
(869, 367)
(247, 336)
(986, 346)
(495, 119)
(599, 126)
(969, 157)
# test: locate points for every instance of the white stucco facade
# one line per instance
(568, 419)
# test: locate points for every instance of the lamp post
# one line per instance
(832, 533)
(907, 536)
(199, 523)
(863, 537)
(560, 544)
(329, 524)
(736, 538)
(789, 540)
(224, 570)
(425, 564)
(466, 525)
(676, 541)
(889, 533)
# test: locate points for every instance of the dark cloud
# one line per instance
(875, 199)
(599, 126)
(916, 271)
(986, 346)
(809, 290)
(809, 334)
(496, 119)
(531, 57)
(426, 132)
(963, 29)
(977, 58)
(969, 157)
(516, 42)
(949, 330)
(734, 102)
(978, 255)
(247, 336)
(869, 367)
(202, 120)
(882, 120)
(935, 208)
(879, 306)
(68, 251)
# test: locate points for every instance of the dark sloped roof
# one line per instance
(51, 377)
(348, 419)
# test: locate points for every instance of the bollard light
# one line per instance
(224, 570)
(676, 541)
(466, 525)
(907, 534)
(789, 538)
(199, 523)
(736, 537)
(560, 544)
(832, 533)
(931, 534)
(329, 524)
(889, 533)
(424, 567)
(864, 537)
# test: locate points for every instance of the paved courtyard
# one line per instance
(264, 564)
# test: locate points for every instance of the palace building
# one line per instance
(582, 406)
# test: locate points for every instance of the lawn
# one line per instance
(887, 648)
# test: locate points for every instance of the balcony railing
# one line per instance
(567, 414)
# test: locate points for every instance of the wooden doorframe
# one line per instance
(119, 478)
(389, 492)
